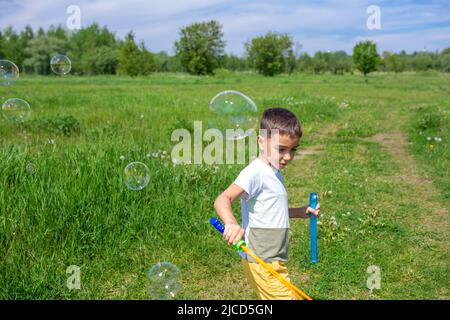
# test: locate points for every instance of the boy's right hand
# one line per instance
(233, 233)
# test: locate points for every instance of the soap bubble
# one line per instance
(60, 64)
(164, 281)
(9, 72)
(233, 110)
(137, 176)
(16, 110)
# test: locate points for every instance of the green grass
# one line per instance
(64, 201)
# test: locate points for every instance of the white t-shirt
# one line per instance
(265, 210)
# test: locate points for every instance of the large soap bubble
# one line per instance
(9, 72)
(164, 281)
(232, 110)
(16, 110)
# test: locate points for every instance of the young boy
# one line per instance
(264, 204)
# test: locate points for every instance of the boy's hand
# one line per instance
(315, 212)
(233, 233)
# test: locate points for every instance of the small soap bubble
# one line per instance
(60, 64)
(137, 176)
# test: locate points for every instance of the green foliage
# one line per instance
(40, 51)
(166, 63)
(64, 125)
(234, 63)
(365, 57)
(134, 60)
(392, 62)
(270, 54)
(200, 47)
(444, 62)
(129, 57)
(305, 63)
(93, 50)
(429, 121)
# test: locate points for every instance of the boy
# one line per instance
(264, 204)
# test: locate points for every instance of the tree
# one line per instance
(304, 63)
(166, 63)
(422, 61)
(2, 46)
(319, 63)
(365, 57)
(339, 62)
(129, 56)
(290, 60)
(233, 62)
(134, 60)
(103, 60)
(147, 61)
(268, 54)
(92, 43)
(444, 60)
(12, 47)
(200, 47)
(394, 62)
(40, 50)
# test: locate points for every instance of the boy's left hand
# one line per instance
(315, 212)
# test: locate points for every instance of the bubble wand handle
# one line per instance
(243, 247)
(313, 200)
(219, 227)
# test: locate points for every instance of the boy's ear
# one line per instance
(261, 140)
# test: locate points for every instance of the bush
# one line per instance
(65, 125)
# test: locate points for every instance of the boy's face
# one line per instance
(279, 149)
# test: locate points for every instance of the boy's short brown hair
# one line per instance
(282, 120)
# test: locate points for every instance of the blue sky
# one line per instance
(317, 25)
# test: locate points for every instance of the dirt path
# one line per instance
(437, 214)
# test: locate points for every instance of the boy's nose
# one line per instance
(287, 156)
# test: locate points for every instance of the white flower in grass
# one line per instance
(122, 158)
(333, 221)
(51, 141)
(428, 138)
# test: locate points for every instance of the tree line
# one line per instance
(199, 50)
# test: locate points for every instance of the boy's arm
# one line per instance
(303, 212)
(233, 231)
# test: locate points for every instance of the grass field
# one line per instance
(377, 153)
